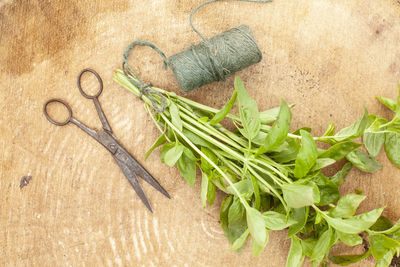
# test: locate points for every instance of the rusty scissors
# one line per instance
(126, 162)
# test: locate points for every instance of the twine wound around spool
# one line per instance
(211, 60)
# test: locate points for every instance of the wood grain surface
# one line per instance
(330, 57)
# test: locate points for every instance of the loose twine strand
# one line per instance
(202, 63)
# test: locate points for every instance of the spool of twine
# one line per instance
(211, 60)
(215, 58)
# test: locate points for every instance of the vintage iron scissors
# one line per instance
(126, 162)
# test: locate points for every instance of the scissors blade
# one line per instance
(132, 178)
(134, 165)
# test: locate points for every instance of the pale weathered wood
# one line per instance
(330, 57)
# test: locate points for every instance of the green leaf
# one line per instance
(295, 256)
(300, 195)
(347, 206)
(211, 193)
(356, 224)
(279, 130)
(363, 161)
(351, 132)
(349, 239)
(388, 102)
(373, 139)
(323, 244)
(270, 115)
(381, 244)
(382, 224)
(245, 188)
(339, 150)
(256, 191)
(345, 260)
(277, 221)
(220, 115)
(176, 119)
(307, 155)
(160, 141)
(257, 248)
(204, 189)
(236, 211)
(187, 166)
(329, 191)
(341, 175)
(386, 260)
(223, 214)
(289, 153)
(300, 215)
(256, 224)
(171, 152)
(392, 147)
(239, 243)
(322, 163)
(248, 110)
(330, 130)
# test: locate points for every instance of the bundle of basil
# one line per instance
(272, 177)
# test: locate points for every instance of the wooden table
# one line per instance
(330, 57)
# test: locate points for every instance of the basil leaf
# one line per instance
(380, 244)
(300, 195)
(356, 224)
(295, 257)
(351, 132)
(339, 150)
(256, 191)
(176, 119)
(211, 193)
(220, 115)
(329, 191)
(347, 206)
(258, 248)
(373, 139)
(270, 115)
(341, 175)
(323, 245)
(392, 147)
(307, 155)
(382, 224)
(187, 166)
(289, 153)
(171, 152)
(245, 188)
(256, 224)
(388, 102)
(330, 130)
(363, 161)
(322, 163)
(223, 214)
(204, 189)
(236, 211)
(345, 260)
(160, 141)
(277, 221)
(300, 215)
(349, 239)
(239, 243)
(386, 260)
(248, 110)
(279, 130)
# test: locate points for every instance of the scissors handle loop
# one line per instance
(98, 78)
(52, 120)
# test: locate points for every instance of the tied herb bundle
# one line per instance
(272, 177)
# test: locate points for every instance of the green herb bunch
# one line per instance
(272, 177)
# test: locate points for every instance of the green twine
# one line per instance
(211, 60)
